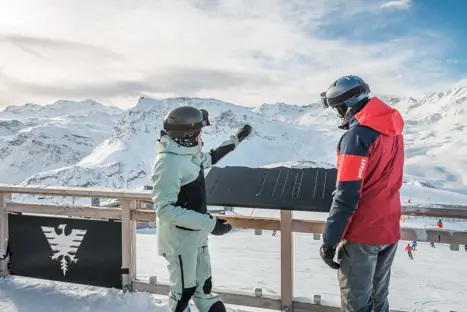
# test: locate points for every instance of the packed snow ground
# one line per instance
(433, 281)
(430, 281)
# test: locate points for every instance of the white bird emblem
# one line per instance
(64, 246)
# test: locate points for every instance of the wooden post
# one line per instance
(133, 245)
(4, 234)
(287, 267)
(126, 243)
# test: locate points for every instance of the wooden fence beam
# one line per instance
(439, 211)
(441, 236)
(76, 191)
(308, 226)
(243, 299)
(66, 210)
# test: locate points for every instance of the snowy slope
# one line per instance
(35, 138)
(419, 285)
(32, 295)
(435, 135)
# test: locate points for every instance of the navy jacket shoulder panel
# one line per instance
(358, 140)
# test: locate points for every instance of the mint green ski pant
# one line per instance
(190, 277)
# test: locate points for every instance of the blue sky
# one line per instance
(433, 21)
(242, 51)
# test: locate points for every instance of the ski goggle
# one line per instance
(340, 108)
(205, 117)
(324, 101)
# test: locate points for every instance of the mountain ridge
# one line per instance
(288, 132)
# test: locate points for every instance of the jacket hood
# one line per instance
(380, 117)
(166, 145)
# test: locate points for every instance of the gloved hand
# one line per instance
(243, 132)
(327, 254)
(221, 227)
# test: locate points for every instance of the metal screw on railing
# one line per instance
(258, 292)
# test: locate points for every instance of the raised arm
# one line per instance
(215, 155)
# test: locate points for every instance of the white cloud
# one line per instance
(397, 4)
(247, 52)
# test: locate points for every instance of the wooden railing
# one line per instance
(129, 215)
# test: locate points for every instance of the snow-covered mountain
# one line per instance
(58, 109)
(434, 140)
(125, 159)
(35, 138)
(436, 144)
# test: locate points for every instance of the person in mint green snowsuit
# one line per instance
(183, 222)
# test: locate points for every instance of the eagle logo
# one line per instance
(63, 246)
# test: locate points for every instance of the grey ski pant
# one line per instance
(364, 275)
(190, 276)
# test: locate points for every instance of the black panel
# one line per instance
(98, 256)
(304, 189)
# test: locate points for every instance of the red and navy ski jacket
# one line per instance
(370, 158)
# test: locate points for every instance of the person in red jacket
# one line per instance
(366, 209)
(409, 249)
(439, 224)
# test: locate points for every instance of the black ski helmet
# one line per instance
(184, 120)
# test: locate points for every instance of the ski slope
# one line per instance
(243, 261)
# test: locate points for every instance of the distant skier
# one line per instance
(432, 245)
(439, 223)
(274, 232)
(408, 248)
(414, 245)
(179, 196)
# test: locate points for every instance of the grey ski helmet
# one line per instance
(184, 120)
(346, 92)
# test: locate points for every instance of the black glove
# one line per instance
(221, 227)
(243, 132)
(327, 254)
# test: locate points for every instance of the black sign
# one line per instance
(66, 249)
(304, 189)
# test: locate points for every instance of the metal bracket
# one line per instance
(258, 232)
(317, 299)
(127, 288)
(153, 280)
(258, 292)
(316, 236)
(285, 309)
